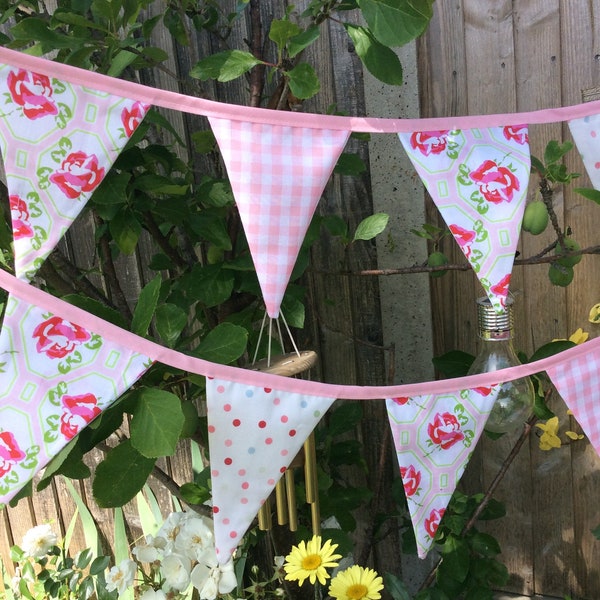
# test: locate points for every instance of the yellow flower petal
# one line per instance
(579, 336)
(594, 316)
(356, 583)
(574, 436)
(311, 561)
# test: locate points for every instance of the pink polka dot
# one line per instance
(214, 473)
(283, 469)
(245, 485)
(236, 422)
(593, 133)
(292, 432)
(227, 407)
(268, 390)
(597, 165)
(262, 424)
(271, 481)
(220, 389)
(284, 419)
(244, 500)
(225, 521)
(269, 441)
(242, 472)
(211, 429)
(228, 443)
(233, 534)
(228, 461)
(284, 452)
(215, 509)
(276, 401)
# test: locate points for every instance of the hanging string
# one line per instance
(290, 334)
(262, 326)
(269, 344)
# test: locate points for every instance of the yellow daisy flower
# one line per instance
(310, 561)
(356, 583)
(549, 439)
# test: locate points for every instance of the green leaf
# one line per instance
(96, 308)
(454, 363)
(336, 226)
(350, 164)
(36, 29)
(210, 224)
(121, 475)
(282, 31)
(204, 141)
(395, 587)
(125, 230)
(293, 311)
(158, 184)
(223, 344)
(193, 493)
(381, 61)
(371, 226)
(120, 62)
(209, 284)
(303, 40)
(146, 306)
(550, 349)
(596, 532)
(555, 151)
(344, 418)
(170, 321)
(485, 544)
(589, 193)
(224, 66)
(99, 565)
(303, 81)
(112, 189)
(396, 22)
(455, 552)
(157, 423)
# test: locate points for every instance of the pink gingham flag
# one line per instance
(253, 435)
(434, 437)
(58, 141)
(578, 382)
(277, 174)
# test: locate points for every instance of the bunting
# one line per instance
(58, 141)
(55, 378)
(586, 133)
(253, 435)
(277, 175)
(478, 180)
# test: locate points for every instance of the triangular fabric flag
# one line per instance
(253, 435)
(277, 175)
(434, 436)
(58, 140)
(586, 133)
(478, 180)
(577, 380)
(55, 378)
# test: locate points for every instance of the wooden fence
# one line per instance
(478, 56)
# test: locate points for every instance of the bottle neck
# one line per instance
(488, 335)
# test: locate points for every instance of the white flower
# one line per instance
(38, 540)
(210, 578)
(153, 595)
(121, 577)
(195, 537)
(170, 528)
(150, 549)
(176, 571)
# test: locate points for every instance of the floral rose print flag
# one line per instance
(55, 378)
(478, 180)
(58, 140)
(253, 435)
(434, 436)
(277, 175)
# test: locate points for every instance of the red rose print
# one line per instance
(501, 288)
(401, 401)
(445, 430)
(411, 478)
(78, 173)
(33, 92)
(10, 453)
(433, 521)
(429, 142)
(483, 391)
(518, 133)
(20, 218)
(78, 411)
(496, 184)
(57, 338)
(132, 117)
(464, 237)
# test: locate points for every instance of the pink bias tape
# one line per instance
(209, 108)
(198, 366)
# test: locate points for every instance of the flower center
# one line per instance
(356, 591)
(311, 562)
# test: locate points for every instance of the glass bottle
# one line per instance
(515, 400)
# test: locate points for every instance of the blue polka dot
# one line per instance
(249, 393)
(251, 450)
(303, 404)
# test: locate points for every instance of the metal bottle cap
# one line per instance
(494, 325)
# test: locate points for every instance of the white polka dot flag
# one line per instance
(56, 377)
(586, 133)
(277, 175)
(478, 180)
(253, 434)
(58, 140)
(577, 380)
(434, 437)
